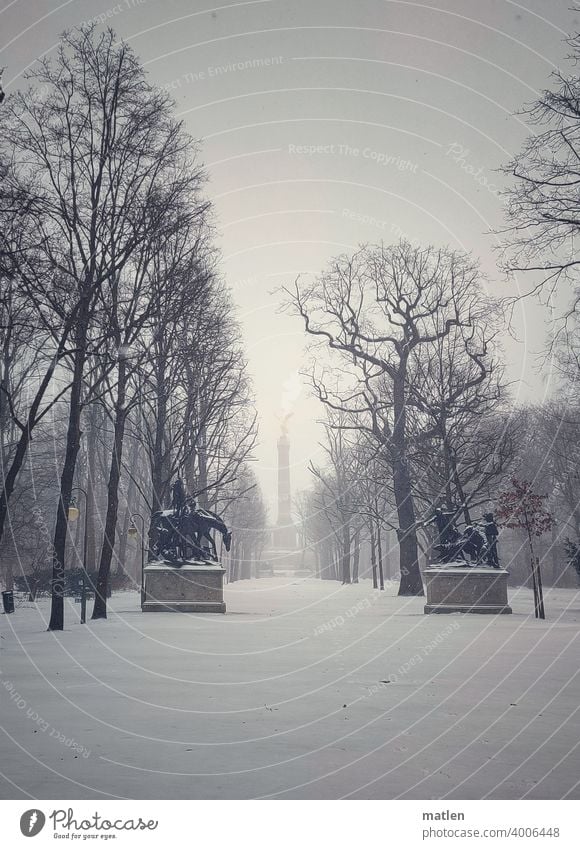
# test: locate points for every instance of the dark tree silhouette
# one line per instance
(379, 312)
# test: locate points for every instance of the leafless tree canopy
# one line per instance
(414, 370)
(114, 318)
(543, 208)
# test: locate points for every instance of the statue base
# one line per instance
(456, 588)
(193, 587)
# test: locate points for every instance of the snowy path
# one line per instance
(285, 697)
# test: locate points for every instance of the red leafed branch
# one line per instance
(521, 507)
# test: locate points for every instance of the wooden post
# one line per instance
(373, 555)
(535, 587)
(380, 553)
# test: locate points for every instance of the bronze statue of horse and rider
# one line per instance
(184, 532)
(476, 545)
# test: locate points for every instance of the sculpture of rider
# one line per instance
(447, 533)
(178, 497)
(472, 544)
(491, 532)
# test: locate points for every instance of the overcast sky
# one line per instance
(325, 124)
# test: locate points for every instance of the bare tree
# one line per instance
(558, 434)
(377, 311)
(131, 306)
(465, 437)
(315, 528)
(95, 150)
(30, 352)
(196, 415)
(543, 205)
(246, 517)
(338, 490)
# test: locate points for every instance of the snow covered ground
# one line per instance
(304, 689)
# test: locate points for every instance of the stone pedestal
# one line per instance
(194, 587)
(456, 588)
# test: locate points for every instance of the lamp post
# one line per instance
(132, 532)
(73, 515)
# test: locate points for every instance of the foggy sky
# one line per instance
(325, 124)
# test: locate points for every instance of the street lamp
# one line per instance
(73, 515)
(133, 532)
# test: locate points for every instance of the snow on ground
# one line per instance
(304, 689)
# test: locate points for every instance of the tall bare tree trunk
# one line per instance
(73, 437)
(345, 554)
(410, 583)
(123, 545)
(100, 605)
(92, 478)
(557, 566)
(23, 443)
(380, 558)
(202, 457)
(135, 569)
(356, 561)
(158, 460)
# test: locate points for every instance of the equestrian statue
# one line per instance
(184, 532)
